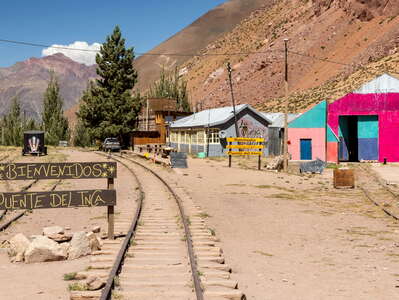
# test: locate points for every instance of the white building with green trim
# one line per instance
(199, 132)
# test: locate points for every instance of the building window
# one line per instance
(182, 137)
(200, 137)
(213, 136)
(193, 137)
(173, 137)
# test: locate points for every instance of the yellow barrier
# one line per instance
(244, 152)
(245, 146)
(243, 139)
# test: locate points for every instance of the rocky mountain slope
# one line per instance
(331, 44)
(194, 38)
(28, 81)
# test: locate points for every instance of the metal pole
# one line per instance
(232, 99)
(285, 145)
(229, 156)
(147, 116)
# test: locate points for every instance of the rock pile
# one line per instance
(53, 245)
(276, 163)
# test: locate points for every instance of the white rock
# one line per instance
(94, 283)
(94, 242)
(44, 249)
(80, 245)
(19, 257)
(65, 248)
(18, 245)
(53, 230)
(96, 229)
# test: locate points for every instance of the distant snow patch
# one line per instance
(87, 56)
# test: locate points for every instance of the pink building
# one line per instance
(361, 126)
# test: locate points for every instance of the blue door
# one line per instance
(306, 149)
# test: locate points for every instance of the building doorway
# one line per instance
(358, 138)
(306, 149)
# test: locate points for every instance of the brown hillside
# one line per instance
(194, 38)
(352, 33)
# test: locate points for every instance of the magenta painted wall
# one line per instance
(318, 136)
(386, 106)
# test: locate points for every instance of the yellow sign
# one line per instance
(245, 146)
(244, 139)
(244, 153)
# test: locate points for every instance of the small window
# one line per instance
(213, 136)
(193, 137)
(200, 137)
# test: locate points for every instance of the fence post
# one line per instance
(110, 212)
(259, 159)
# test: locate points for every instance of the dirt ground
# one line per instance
(295, 237)
(45, 280)
(285, 236)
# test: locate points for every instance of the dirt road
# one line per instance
(295, 237)
(285, 236)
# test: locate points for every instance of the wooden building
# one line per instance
(153, 121)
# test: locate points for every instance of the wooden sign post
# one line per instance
(61, 199)
(110, 211)
(249, 149)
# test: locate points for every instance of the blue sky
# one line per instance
(144, 24)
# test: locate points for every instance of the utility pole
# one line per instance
(285, 149)
(232, 99)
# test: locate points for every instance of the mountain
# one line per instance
(359, 35)
(28, 81)
(194, 38)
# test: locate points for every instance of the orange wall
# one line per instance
(332, 152)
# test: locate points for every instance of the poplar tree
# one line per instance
(12, 125)
(54, 123)
(108, 108)
(171, 86)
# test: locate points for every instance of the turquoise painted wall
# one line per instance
(330, 135)
(313, 118)
(367, 127)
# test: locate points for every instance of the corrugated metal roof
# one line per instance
(213, 117)
(381, 85)
(278, 118)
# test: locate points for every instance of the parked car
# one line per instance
(111, 144)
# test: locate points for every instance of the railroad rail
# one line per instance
(4, 225)
(378, 193)
(165, 254)
(18, 215)
(107, 291)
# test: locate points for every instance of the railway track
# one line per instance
(165, 254)
(8, 217)
(378, 192)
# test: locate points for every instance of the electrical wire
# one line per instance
(138, 53)
(337, 63)
(195, 54)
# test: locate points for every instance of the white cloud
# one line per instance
(87, 57)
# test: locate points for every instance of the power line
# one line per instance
(138, 53)
(336, 62)
(40, 45)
